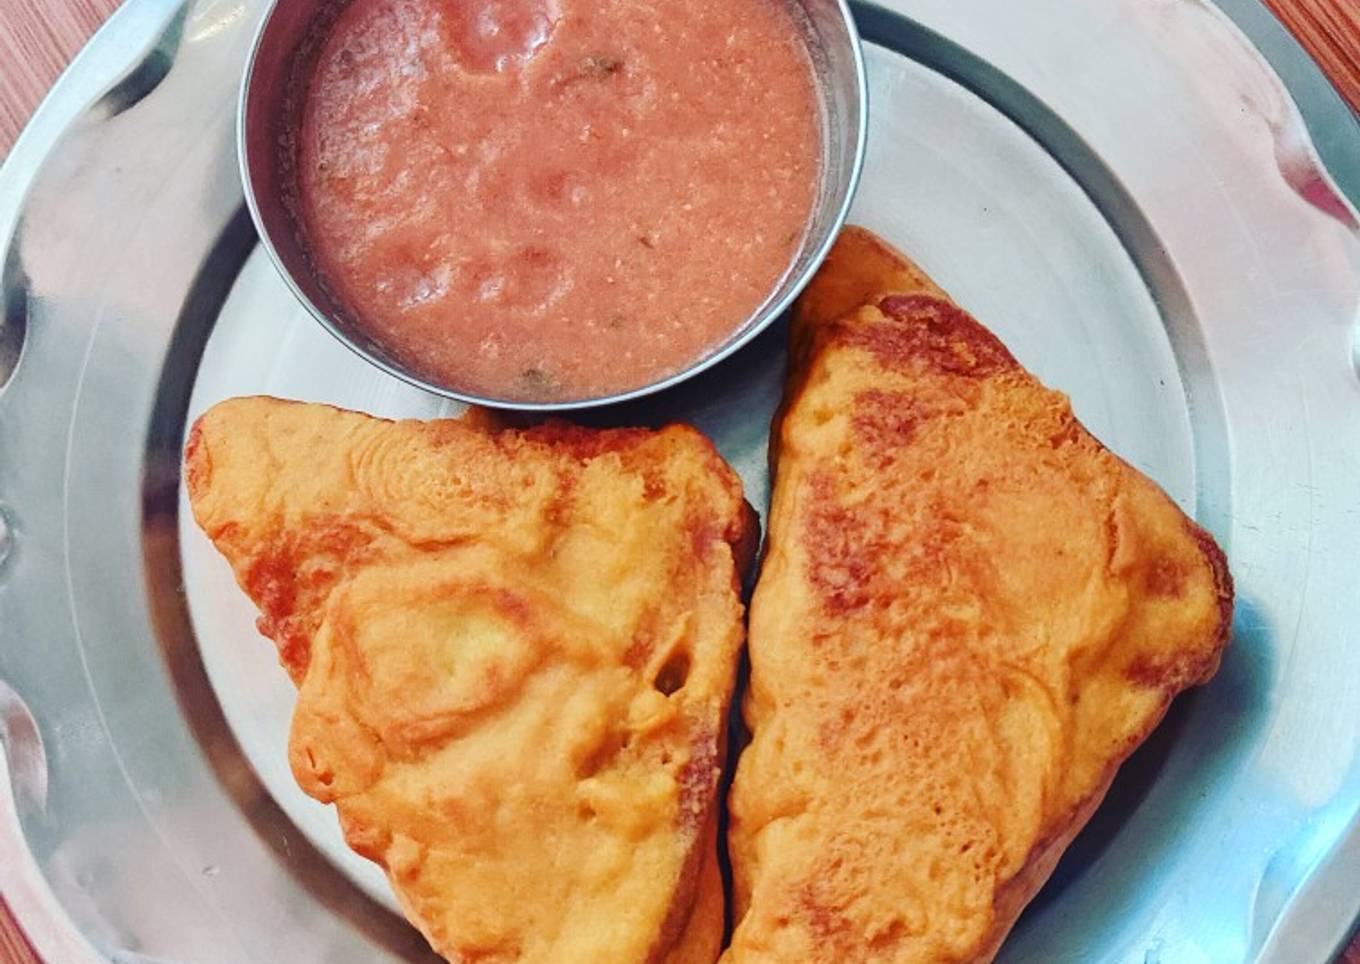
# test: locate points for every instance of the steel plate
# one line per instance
(1122, 189)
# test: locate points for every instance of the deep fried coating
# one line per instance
(514, 653)
(702, 941)
(969, 614)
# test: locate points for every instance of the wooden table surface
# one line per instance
(38, 38)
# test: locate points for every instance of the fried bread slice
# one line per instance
(969, 614)
(514, 652)
(701, 942)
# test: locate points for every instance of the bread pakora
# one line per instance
(969, 614)
(514, 652)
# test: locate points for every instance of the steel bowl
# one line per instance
(264, 139)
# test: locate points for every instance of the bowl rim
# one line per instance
(768, 312)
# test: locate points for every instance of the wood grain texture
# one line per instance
(1330, 31)
(39, 37)
(14, 949)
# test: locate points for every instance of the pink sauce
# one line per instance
(549, 199)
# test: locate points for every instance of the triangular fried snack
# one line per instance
(514, 653)
(969, 614)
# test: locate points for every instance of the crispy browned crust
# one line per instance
(701, 941)
(504, 640)
(901, 531)
(698, 782)
(1015, 894)
(701, 909)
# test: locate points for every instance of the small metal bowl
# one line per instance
(265, 142)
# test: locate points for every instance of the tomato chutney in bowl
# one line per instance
(551, 203)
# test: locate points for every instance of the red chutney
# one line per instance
(556, 199)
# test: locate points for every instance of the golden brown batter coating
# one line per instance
(514, 653)
(969, 614)
(702, 940)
